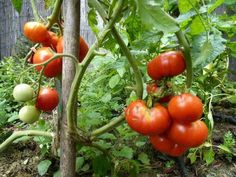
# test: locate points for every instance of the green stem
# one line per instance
(88, 58)
(187, 55)
(124, 48)
(35, 12)
(112, 124)
(53, 18)
(18, 134)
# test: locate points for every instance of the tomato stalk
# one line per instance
(55, 14)
(19, 134)
(188, 60)
(34, 9)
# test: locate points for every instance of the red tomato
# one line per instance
(83, 47)
(35, 31)
(166, 64)
(151, 88)
(165, 145)
(147, 121)
(51, 40)
(165, 99)
(53, 68)
(47, 99)
(189, 135)
(185, 108)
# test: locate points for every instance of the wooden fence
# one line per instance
(11, 23)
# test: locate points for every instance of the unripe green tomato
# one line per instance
(23, 92)
(29, 114)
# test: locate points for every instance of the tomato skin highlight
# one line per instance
(83, 48)
(23, 92)
(147, 121)
(190, 135)
(185, 108)
(163, 144)
(166, 64)
(29, 114)
(35, 31)
(47, 99)
(53, 68)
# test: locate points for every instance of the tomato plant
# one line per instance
(47, 99)
(35, 31)
(82, 51)
(189, 135)
(163, 144)
(29, 114)
(185, 108)
(151, 88)
(53, 68)
(166, 64)
(23, 92)
(147, 121)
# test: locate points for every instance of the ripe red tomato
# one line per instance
(185, 108)
(52, 40)
(35, 31)
(147, 121)
(166, 64)
(83, 48)
(54, 68)
(189, 135)
(47, 99)
(151, 88)
(165, 145)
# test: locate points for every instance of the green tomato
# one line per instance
(23, 92)
(29, 114)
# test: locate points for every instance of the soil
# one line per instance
(21, 160)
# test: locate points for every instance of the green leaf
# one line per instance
(49, 4)
(225, 148)
(144, 158)
(17, 5)
(57, 173)
(185, 6)
(126, 152)
(212, 7)
(210, 118)
(101, 165)
(152, 16)
(43, 167)
(92, 21)
(232, 99)
(208, 156)
(79, 163)
(114, 80)
(192, 156)
(106, 98)
(197, 26)
(107, 136)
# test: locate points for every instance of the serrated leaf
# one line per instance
(144, 158)
(197, 26)
(114, 80)
(43, 167)
(126, 152)
(79, 163)
(152, 16)
(208, 156)
(185, 6)
(17, 5)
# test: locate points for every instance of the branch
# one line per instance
(35, 12)
(112, 124)
(53, 18)
(18, 134)
(187, 55)
(124, 48)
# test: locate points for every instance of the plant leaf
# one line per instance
(17, 5)
(114, 80)
(185, 6)
(43, 167)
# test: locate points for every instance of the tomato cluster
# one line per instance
(37, 32)
(177, 127)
